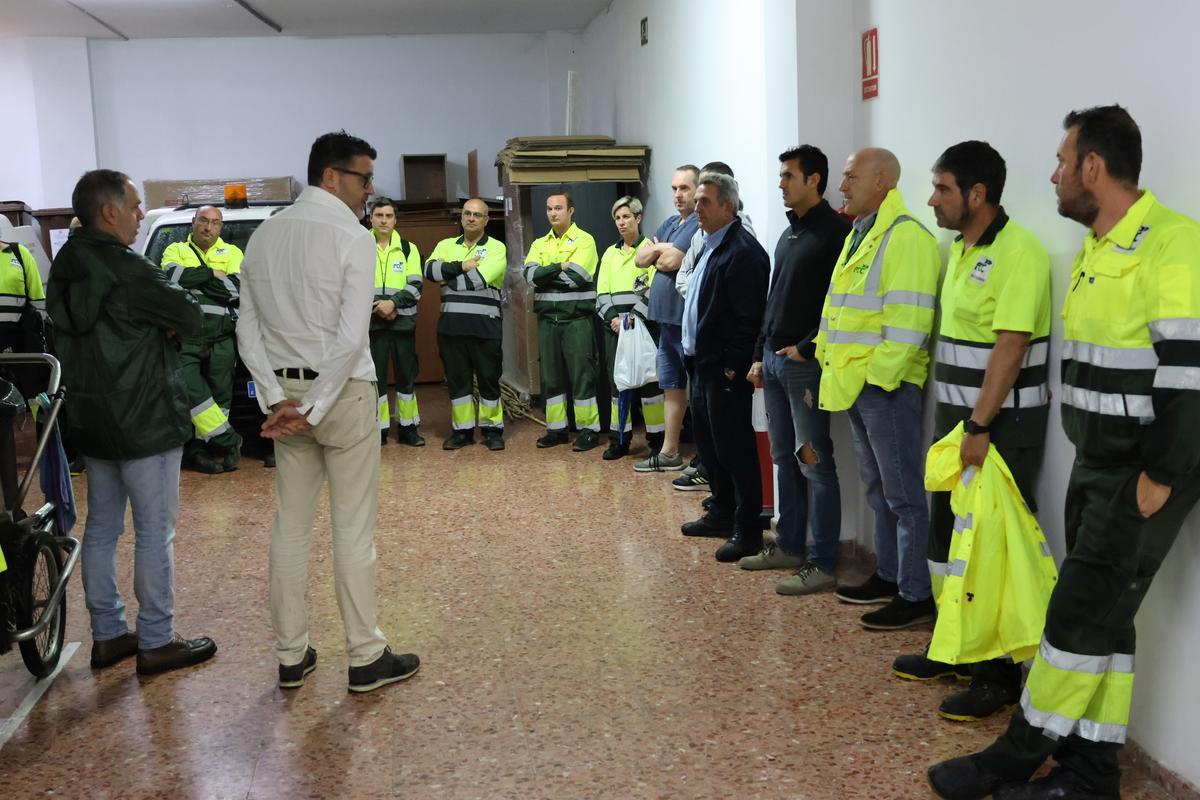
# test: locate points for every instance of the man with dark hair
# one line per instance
(875, 327)
(209, 267)
(1131, 325)
(561, 268)
(470, 331)
(721, 319)
(664, 251)
(991, 371)
(308, 278)
(398, 283)
(117, 316)
(785, 366)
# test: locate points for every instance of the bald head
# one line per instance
(869, 175)
(206, 226)
(474, 218)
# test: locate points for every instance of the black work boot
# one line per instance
(586, 440)
(920, 667)
(616, 448)
(963, 778)
(459, 439)
(980, 701)
(201, 461)
(552, 439)
(1060, 784)
(407, 434)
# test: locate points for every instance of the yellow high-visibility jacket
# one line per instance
(993, 591)
(879, 311)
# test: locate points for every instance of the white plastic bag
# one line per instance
(637, 355)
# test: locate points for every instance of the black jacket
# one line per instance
(731, 301)
(112, 310)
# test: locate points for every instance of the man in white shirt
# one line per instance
(307, 283)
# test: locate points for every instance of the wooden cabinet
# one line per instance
(424, 177)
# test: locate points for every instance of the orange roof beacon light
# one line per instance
(235, 196)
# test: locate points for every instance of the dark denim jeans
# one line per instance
(794, 419)
(887, 443)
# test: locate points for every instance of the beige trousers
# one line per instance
(343, 449)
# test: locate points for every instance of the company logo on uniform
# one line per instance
(1137, 241)
(221, 251)
(397, 267)
(480, 252)
(981, 270)
(13, 261)
(570, 241)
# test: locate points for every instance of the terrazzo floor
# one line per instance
(574, 645)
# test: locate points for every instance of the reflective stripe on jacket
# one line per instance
(993, 591)
(879, 310)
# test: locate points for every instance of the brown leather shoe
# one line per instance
(176, 654)
(110, 651)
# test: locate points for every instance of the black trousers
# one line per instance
(722, 409)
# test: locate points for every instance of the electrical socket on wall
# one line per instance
(645, 37)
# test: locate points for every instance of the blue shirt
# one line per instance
(711, 242)
(666, 306)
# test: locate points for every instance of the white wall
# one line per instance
(1008, 73)
(692, 103)
(204, 108)
(51, 140)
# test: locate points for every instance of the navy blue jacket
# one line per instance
(731, 301)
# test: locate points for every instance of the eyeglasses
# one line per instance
(205, 221)
(367, 177)
(474, 214)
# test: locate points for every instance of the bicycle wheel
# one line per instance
(35, 584)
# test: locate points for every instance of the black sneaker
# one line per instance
(692, 481)
(494, 440)
(408, 435)
(980, 701)
(919, 667)
(616, 449)
(874, 590)
(740, 545)
(388, 668)
(553, 439)
(899, 614)
(459, 439)
(709, 525)
(292, 677)
(586, 440)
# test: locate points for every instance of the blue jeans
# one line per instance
(671, 374)
(887, 443)
(794, 419)
(151, 487)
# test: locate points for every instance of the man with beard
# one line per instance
(991, 376)
(1131, 393)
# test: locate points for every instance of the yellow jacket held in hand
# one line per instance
(993, 591)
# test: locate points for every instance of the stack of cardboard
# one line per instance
(570, 159)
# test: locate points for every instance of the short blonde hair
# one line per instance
(634, 205)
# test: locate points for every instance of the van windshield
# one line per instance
(235, 231)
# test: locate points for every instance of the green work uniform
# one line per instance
(561, 270)
(470, 331)
(621, 289)
(208, 360)
(1130, 398)
(397, 278)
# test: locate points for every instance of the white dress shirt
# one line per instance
(308, 280)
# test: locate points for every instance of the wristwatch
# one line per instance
(972, 428)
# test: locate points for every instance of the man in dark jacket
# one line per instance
(118, 319)
(722, 316)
